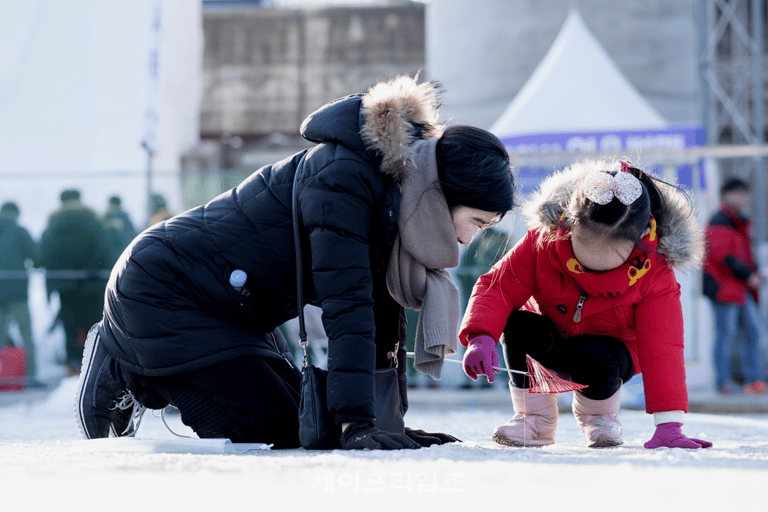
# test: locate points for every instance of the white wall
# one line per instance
(73, 91)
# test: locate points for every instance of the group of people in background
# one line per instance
(77, 250)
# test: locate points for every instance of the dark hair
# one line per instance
(473, 169)
(70, 195)
(158, 202)
(115, 201)
(10, 207)
(615, 220)
(734, 184)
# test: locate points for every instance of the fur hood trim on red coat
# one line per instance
(396, 113)
(681, 238)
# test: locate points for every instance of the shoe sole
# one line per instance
(605, 442)
(500, 438)
(85, 371)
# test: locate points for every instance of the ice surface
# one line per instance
(45, 462)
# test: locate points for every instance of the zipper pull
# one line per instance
(277, 347)
(579, 306)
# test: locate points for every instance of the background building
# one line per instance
(267, 68)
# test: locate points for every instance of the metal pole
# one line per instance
(706, 60)
(709, 69)
(301, 82)
(710, 112)
(758, 116)
(149, 184)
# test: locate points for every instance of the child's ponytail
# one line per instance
(659, 208)
(654, 194)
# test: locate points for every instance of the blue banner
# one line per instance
(624, 143)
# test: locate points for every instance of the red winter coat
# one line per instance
(638, 302)
(729, 260)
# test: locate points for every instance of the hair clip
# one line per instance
(601, 187)
(621, 166)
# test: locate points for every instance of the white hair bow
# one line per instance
(601, 187)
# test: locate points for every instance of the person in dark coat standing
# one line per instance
(119, 226)
(75, 251)
(17, 251)
(384, 198)
(160, 211)
(732, 282)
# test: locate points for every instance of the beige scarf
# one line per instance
(426, 245)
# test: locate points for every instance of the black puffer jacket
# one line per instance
(169, 307)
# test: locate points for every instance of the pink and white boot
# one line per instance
(534, 422)
(599, 419)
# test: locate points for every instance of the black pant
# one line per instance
(600, 362)
(250, 399)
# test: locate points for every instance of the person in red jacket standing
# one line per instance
(591, 294)
(732, 281)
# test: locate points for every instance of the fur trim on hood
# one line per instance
(397, 113)
(681, 239)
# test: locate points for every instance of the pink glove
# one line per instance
(481, 357)
(669, 435)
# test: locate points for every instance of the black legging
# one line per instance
(250, 399)
(600, 362)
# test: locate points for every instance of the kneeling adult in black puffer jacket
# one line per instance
(383, 199)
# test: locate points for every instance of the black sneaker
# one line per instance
(103, 405)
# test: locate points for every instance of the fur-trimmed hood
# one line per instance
(386, 121)
(681, 239)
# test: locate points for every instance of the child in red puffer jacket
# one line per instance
(591, 294)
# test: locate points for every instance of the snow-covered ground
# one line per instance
(44, 463)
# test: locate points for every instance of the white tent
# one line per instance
(576, 87)
(577, 99)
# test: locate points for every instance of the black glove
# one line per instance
(430, 438)
(359, 436)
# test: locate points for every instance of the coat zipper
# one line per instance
(579, 306)
(277, 347)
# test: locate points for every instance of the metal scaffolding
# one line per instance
(732, 61)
